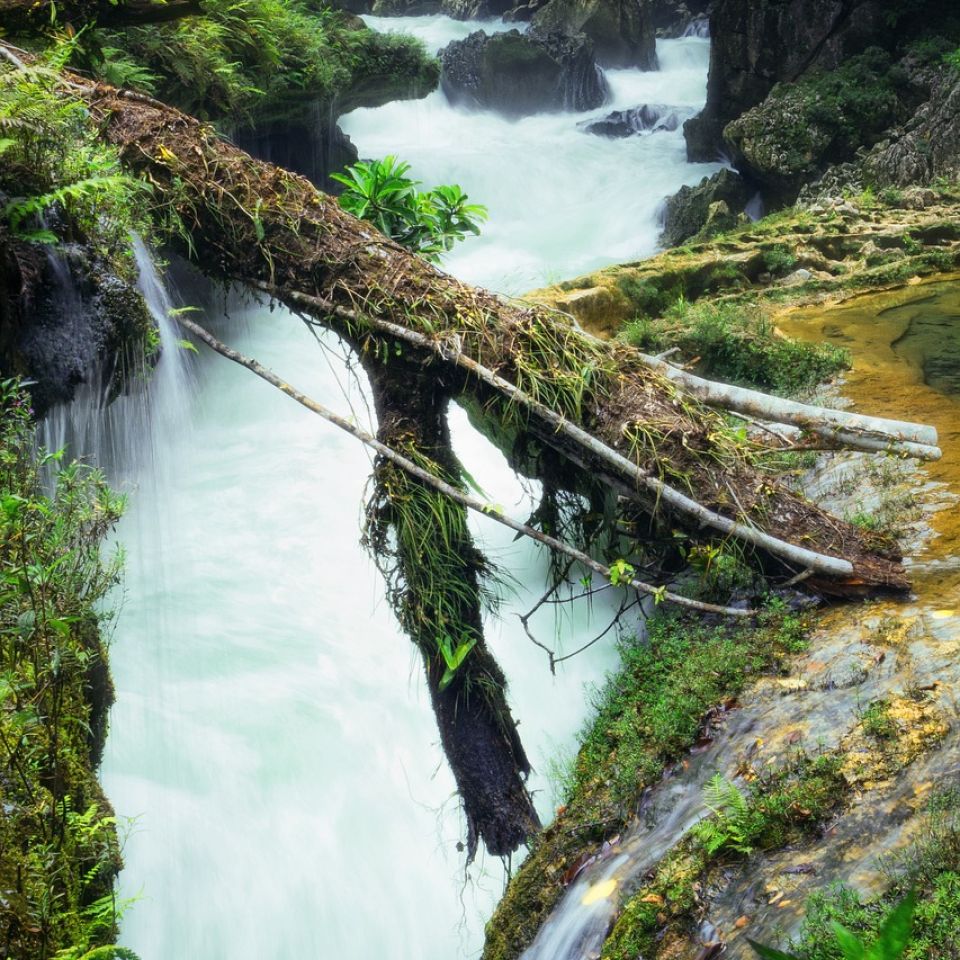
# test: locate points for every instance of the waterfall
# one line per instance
(272, 738)
(120, 434)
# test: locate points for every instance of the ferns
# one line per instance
(52, 159)
(731, 826)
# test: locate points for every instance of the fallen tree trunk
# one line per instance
(252, 222)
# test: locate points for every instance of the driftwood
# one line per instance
(845, 428)
(447, 489)
(628, 470)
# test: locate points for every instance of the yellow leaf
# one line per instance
(599, 891)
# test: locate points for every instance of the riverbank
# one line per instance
(227, 652)
(59, 847)
(869, 690)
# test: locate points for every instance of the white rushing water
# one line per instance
(273, 736)
(561, 201)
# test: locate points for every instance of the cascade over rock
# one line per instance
(519, 74)
(622, 31)
(647, 118)
(74, 322)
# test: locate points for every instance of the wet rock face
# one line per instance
(689, 211)
(520, 74)
(622, 31)
(314, 149)
(681, 18)
(647, 118)
(68, 321)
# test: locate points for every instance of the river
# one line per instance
(272, 739)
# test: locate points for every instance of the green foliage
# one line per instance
(877, 722)
(740, 345)
(248, 58)
(428, 222)
(652, 709)
(57, 834)
(729, 827)
(777, 807)
(891, 942)
(54, 163)
(779, 260)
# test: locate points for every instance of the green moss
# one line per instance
(779, 260)
(59, 845)
(779, 808)
(931, 867)
(648, 714)
(877, 722)
(823, 117)
(246, 59)
(738, 344)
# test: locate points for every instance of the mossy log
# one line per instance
(252, 222)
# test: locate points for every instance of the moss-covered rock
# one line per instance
(801, 128)
(692, 211)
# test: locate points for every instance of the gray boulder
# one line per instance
(519, 74)
(711, 206)
(622, 31)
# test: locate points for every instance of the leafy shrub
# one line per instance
(779, 260)
(58, 836)
(246, 58)
(427, 222)
(891, 943)
(739, 345)
(52, 161)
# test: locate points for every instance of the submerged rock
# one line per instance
(622, 31)
(520, 74)
(647, 118)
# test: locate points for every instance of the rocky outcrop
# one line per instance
(647, 118)
(67, 320)
(622, 31)
(678, 18)
(758, 43)
(304, 136)
(928, 145)
(706, 209)
(519, 74)
(801, 128)
(312, 145)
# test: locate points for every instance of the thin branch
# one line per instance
(799, 556)
(471, 503)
